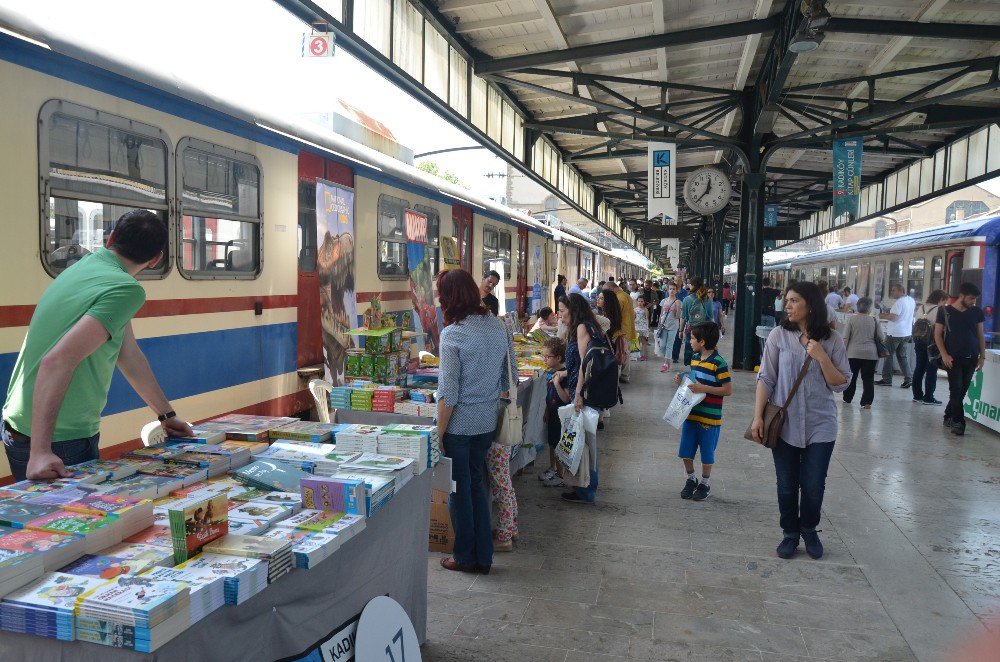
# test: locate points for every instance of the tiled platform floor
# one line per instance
(911, 528)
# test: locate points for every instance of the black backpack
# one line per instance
(600, 374)
(923, 329)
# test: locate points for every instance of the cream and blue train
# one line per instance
(233, 314)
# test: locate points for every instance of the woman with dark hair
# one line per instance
(582, 330)
(860, 335)
(924, 374)
(475, 348)
(802, 454)
(607, 305)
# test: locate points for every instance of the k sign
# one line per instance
(661, 169)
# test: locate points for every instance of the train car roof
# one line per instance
(288, 133)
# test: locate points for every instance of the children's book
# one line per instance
(67, 521)
(196, 522)
(270, 475)
(56, 591)
(105, 567)
(17, 514)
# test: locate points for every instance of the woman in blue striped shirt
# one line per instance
(473, 377)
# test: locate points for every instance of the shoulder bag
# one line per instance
(933, 352)
(775, 416)
(510, 426)
(880, 347)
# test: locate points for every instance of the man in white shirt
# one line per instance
(850, 301)
(898, 335)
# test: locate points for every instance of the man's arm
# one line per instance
(939, 341)
(982, 346)
(55, 372)
(135, 367)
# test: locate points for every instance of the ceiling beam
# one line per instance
(959, 31)
(625, 46)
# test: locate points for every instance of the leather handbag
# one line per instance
(880, 347)
(510, 424)
(775, 416)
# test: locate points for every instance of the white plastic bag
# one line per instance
(682, 403)
(573, 441)
(660, 347)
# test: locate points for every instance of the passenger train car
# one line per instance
(234, 311)
(923, 261)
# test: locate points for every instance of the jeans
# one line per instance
(924, 374)
(801, 478)
(589, 493)
(959, 378)
(866, 369)
(73, 451)
(470, 511)
(899, 349)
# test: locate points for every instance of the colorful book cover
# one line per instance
(55, 591)
(156, 535)
(202, 435)
(251, 547)
(320, 522)
(105, 567)
(181, 471)
(256, 510)
(137, 594)
(333, 494)
(271, 474)
(162, 452)
(155, 554)
(111, 505)
(305, 431)
(202, 459)
(41, 486)
(66, 495)
(197, 522)
(67, 521)
(30, 540)
(17, 513)
(249, 494)
(141, 486)
(377, 462)
(340, 457)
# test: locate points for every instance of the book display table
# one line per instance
(388, 558)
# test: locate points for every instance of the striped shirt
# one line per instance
(710, 371)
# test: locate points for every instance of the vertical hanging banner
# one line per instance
(421, 279)
(847, 155)
(335, 266)
(770, 221)
(661, 198)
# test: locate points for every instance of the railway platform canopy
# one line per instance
(571, 92)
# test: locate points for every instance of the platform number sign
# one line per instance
(318, 44)
(661, 174)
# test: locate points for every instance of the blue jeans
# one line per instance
(801, 478)
(924, 374)
(73, 451)
(589, 493)
(899, 348)
(470, 511)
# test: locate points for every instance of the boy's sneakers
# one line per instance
(547, 474)
(555, 481)
(701, 492)
(689, 487)
(787, 546)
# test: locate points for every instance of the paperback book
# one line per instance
(196, 522)
(334, 494)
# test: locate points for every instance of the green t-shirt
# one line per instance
(99, 286)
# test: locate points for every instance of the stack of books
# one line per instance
(419, 442)
(247, 527)
(55, 549)
(256, 511)
(201, 436)
(379, 488)
(106, 567)
(196, 522)
(18, 491)
(386, 397)
(143, 486)
(422, 395)
(400, 468)
(316, 521)
(333, 494)
(243, 578)
(16, 513)
(277, 553)
(308, 547)
(215, 463)
(304, 456)
(346, 528)
(181, 474)
(290, 500)
(208, 589)
(358, 439)
(156, 555)
(157, 535)
(243, 427)
(99, 531)
(415, 408)
(18, 568)
(46, 606)
(137, 612)
(131, 514)
(310, 431)
(340, 397)
(158, 453)
(268, 475)
(361, 399)
(64, 495)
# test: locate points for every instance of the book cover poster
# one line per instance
(418, 259)
(335, 266)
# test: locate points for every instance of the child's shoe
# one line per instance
(689, 487)
(665, 367)
(701, 492)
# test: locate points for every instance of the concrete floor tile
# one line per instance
(649, 651)
(494, 606)
(561, 637)
(589, 617)
(678, 598)
(828, 612)
(836, 645)
(672, 629)
(466, 649)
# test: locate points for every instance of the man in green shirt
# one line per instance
(80, 330)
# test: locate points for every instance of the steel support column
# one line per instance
(750, 264)
(715, 264)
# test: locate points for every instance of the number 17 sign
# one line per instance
(385, 633)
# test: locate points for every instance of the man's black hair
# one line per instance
(544, 312)
(494, 275)
(706, 332)
(138, 236)
(969, 290)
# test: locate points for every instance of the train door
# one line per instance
(954, 261)
(522, 270)
(461, 216)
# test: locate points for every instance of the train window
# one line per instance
(220, 211)
(491, 244)
(895, 274)
(937, 273)
(915, 278)
(504, 253)
(94, 167)
(878, 284)
(392, 238)
(433, 235)
(954, 273)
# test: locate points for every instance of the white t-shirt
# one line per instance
(635, 295)
(834, 300)
(903, 308)
(852, 301)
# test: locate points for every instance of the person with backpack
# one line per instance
(583, 335)
(697, 308)
(959, 337)
(924, 374)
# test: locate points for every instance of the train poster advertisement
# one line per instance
(421, 279)
(335, 265)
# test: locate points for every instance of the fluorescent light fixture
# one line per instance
(22, 37)
(316, 146)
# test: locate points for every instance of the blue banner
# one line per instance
(770, 216)
(847, 155)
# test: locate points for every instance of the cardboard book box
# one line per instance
(442, 536)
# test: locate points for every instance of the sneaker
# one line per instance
(787, 546)
(932, 401)
(958, 427)
(882, 382)
(573, 497)
(555, 481)
(546, 475)
(906, 384)
(689, 487)
(814, 547)
(701, 493)
(918, 399)
(665, 367)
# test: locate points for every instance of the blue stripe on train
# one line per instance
(196, 363)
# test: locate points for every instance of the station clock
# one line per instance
(707, 190)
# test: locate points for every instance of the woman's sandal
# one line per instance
(450, 563)
(499, 546)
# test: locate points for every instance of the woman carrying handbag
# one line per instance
(803, 449)
(865, 345)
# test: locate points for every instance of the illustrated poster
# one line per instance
(421, 279)
(335, 264)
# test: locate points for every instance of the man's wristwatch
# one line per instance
(163, 417)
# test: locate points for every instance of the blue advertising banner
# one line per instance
(770, 221)
(847, 155)
(335, 265)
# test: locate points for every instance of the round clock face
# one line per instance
(707, 190)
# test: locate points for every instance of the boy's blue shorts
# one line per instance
(695, 435)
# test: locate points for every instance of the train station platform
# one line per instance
(911, 528)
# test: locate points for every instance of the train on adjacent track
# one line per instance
(233, 317)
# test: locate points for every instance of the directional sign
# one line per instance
(661, 174)
(661, 158)
(661, 203)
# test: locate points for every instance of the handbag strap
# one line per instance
(798, 382)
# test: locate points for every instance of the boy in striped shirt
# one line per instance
(710, 373)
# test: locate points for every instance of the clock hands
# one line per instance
(707, 189)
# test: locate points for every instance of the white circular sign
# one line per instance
(385, 633)
(318, 46)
